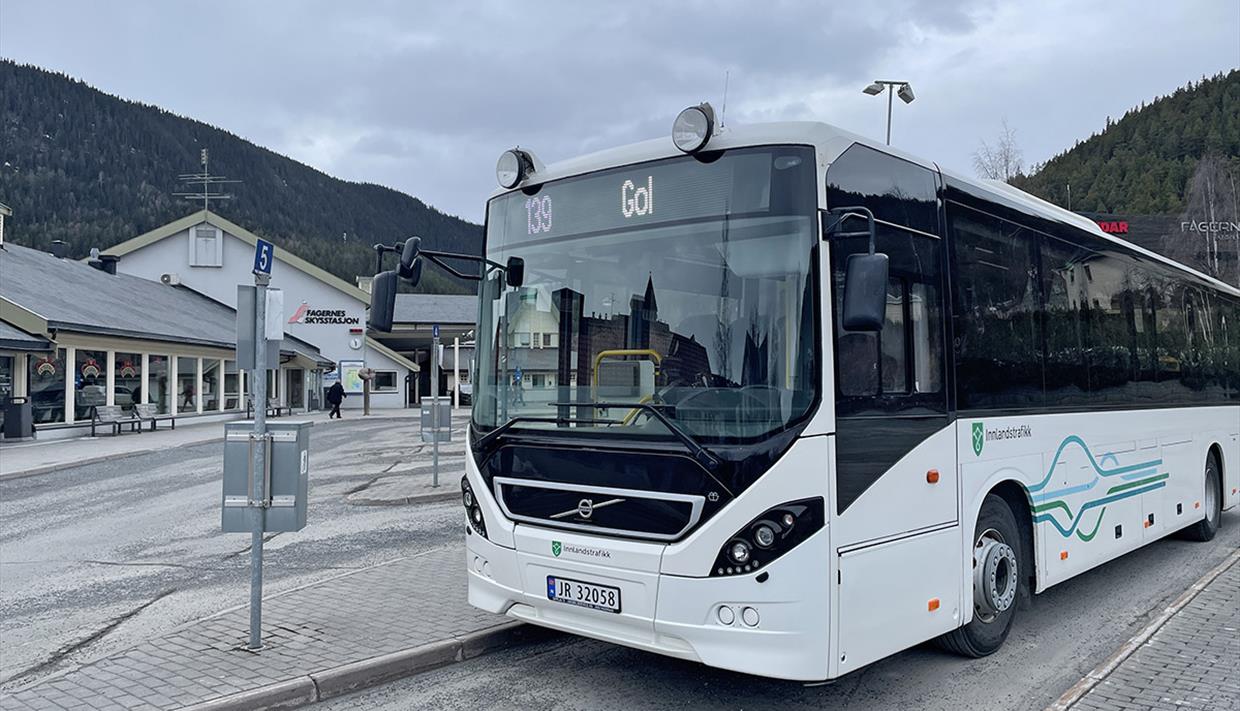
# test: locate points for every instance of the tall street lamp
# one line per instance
(905, 92)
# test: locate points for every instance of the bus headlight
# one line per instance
(739, 552)
(693, 127)
(769, 536)
(473, 512)
(514, 165)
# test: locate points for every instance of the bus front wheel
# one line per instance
(997, 567)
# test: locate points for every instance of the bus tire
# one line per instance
(997, 550)
(1205, 529)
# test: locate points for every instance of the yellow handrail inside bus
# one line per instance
(619, 353)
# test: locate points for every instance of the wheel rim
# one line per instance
(1211, 496)
(995, 576)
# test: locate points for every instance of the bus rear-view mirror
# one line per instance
(515, 271)
(411, 261)
(382, 301)
(865, 292)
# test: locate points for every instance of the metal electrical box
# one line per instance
(444, 433)
(288, 460)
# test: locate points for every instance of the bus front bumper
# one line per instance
(777, 628)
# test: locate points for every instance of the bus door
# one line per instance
(893, 484)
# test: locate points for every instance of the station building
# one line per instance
(154, 321)
(212, 256)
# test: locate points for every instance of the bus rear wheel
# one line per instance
(997, 567)
(1205, 529)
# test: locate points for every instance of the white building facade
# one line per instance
(212, 256)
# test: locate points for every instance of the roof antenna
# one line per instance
(207, 181)
(723, 114)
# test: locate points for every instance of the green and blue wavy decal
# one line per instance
(1121, 482)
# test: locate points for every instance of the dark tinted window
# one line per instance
(1063, 286)
(895, 190)
(998, 332)
(900, 367)
(1097, 326)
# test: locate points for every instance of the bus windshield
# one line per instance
(686, 285)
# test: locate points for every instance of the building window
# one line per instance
(232, 386)
(385, 381)
(157, 391)
(187, 385)
(47, 386)
(128, 379)
(210, 384)
(206, 247)
(547, 340)
(523, 340)
(90, 383)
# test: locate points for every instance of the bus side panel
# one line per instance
(897, 594)
(917, 492)
(1231, 468)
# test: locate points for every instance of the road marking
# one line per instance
(1090, 680)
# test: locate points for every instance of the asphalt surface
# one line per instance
(97, 558)
(1065, 633)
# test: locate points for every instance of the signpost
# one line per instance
(264, 254)
(435, 407)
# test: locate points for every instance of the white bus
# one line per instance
(785, 401)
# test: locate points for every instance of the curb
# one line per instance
(406, 500)
(355, 676)
(1102, 671)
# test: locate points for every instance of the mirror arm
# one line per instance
(843, 213)
(380, 250)
(437, 257)
(449, 268)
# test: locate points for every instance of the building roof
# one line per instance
(5, 210)
(49, 293)
(443, 309)
(68, 295)
(297, 347)
(400, 359)
(14, 339)
(283, 255)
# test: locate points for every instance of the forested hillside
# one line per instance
(94, 170)
(1143, 163)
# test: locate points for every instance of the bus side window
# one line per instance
(900, 366)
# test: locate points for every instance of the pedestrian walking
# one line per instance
(335, 396)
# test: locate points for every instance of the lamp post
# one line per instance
(905, 92)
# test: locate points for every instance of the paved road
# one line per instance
(96, 558)
(1068, 630)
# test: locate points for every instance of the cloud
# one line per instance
(423, 97)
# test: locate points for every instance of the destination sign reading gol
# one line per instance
(668, 191)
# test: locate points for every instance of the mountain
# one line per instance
(1164, 176)
(1143, 163)
(93, 170)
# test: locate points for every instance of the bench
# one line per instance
(148, 412)
(114, 416)
(274, 408)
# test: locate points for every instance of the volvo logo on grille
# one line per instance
(586, 508)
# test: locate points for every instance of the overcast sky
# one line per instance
(424, 96)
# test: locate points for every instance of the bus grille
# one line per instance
(601, 510)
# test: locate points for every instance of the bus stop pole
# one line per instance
(435, 408)
(258, 460)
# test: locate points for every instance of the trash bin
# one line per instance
(18, 418)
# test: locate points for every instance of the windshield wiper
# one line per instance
(499, 431)
(703, 455)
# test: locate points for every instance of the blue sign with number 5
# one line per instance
(264, 254)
